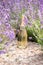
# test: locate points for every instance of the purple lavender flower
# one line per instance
(29, 0)
(10, 34)
(1, 39)
(24, 19)
(41, 1)
(0, 22)
(41, 22)
(7, 25)
(6, 33)
(17, 1)
(2, 51)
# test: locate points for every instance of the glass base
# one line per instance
(22, 45)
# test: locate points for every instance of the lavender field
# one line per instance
(21, 32)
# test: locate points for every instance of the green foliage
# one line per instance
(40, 38)
(35, 32)
(38, 32)
(30, 34)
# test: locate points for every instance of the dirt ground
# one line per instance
(32, 55)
